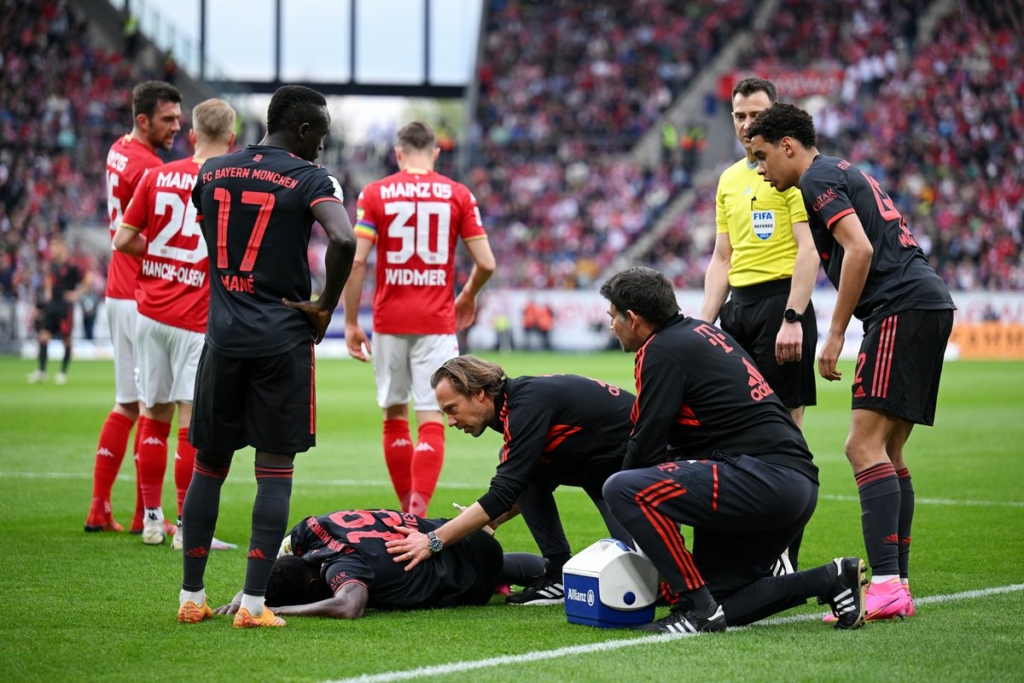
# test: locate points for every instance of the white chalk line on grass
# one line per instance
(610, 645)
(299, 481)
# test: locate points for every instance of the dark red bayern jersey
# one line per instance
(901, 279)
(348, 546)
(257, 209)
(700, 396)
(556, 427)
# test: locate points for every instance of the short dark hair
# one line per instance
(644, 291)
(147, 96)
(293, 105)
(784, 120)
(417, 135)
(292, 583)
(469, 374)
(749, 86)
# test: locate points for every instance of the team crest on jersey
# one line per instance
(764, 223)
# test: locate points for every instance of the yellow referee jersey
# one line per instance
(759, 220)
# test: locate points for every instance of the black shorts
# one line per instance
(268, 403)
(744, 512)
(57, 319)
(753, 316)
(900, 363)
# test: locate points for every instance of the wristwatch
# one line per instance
(434, 544)
(792, 316)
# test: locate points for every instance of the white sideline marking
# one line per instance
(482, 487)
(607, 646)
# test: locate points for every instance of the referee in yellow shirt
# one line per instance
(765, 261)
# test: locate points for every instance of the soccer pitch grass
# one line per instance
(101, 607)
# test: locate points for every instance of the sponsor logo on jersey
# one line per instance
(759, 386)
(824, 199)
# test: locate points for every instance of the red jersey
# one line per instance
(173, 285)
(127, 160)
(415, 218)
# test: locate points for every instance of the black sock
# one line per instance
(774, 594)
(67, 360)
(555, 564)
(794, 550)
(700, 602)
(880, 512)
(43, 352)
(906, 520)
(269, 522)
(199, 512)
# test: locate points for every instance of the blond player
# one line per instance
(161, 229)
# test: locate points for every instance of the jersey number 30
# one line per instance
(416, 238)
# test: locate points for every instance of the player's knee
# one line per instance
(860, 453)
(614, 490)
(217, 460)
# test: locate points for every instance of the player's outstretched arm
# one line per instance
(849, 232)
(483, 268)
(790, 339)
(349, 603)
(355, 337)
(716, 279)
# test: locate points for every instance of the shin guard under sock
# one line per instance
(427, 461)
(398, 449)
(880, 511)
(906, 521)
(269, 523)
(199, 513)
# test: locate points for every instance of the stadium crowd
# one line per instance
(62, 102)
(934, 122)
(567, 88)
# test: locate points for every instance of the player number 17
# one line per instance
(264, 200)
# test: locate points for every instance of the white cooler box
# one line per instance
(609, 585)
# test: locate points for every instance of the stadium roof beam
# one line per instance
(425, 88)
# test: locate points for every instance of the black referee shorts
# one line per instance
(900, 363)
(268, 403)
(753, 316)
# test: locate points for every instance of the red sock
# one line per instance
(110, 454)
(137, 519)
(184, 462)
(426, 466)
(398, 456)
(153, 459)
